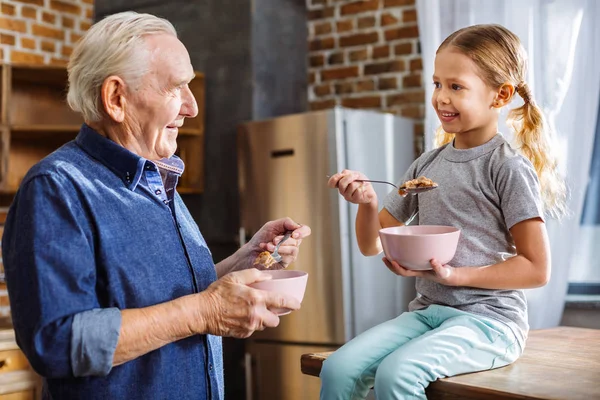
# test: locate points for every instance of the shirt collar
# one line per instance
(464, 155)
(126, 165)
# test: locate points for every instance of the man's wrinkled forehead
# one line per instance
(170, 59)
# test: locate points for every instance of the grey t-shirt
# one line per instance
(484, 191)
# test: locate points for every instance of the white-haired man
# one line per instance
(113, 290)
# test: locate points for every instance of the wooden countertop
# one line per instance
(7, 335)
(7, 340)
(19, 381)
(558, 364)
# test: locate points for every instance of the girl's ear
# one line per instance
(504, 95)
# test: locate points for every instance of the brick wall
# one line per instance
(366, 54)
(42, 31)
(39, 32)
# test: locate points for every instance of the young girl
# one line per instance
(471, 314)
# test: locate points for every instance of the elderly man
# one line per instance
(113, 290)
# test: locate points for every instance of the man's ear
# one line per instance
(113, 98)
(504, 95)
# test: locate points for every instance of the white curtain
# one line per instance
(562, 38)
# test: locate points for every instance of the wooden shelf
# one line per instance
(187, 190)
(45, 128)
(190, 131)
(76, 128)
(35, 120)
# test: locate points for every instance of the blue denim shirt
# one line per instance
(92, 231)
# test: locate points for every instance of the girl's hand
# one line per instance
(442, 274)
(352, 191)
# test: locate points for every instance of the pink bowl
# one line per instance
(290, 282)
(413, 246)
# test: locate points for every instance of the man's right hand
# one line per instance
(229, 307)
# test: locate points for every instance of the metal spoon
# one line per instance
(416, 190)
(276, 256)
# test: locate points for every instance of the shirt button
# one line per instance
(210, 367)
(158, 191)
(166, 201)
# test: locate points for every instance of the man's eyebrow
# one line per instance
(184, 80)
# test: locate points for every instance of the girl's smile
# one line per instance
(447, 117)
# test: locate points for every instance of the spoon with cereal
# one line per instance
(268, 260)
(414, 186)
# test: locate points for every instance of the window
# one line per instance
(584, 276)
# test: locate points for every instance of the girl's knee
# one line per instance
(398, 380)
(338, 378)
(335, 367)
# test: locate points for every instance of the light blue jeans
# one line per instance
(402, 356)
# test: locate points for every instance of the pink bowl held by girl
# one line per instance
(414, 246)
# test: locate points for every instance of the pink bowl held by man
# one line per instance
(414, 246)
(290, 282)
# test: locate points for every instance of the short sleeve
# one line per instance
(519, 191)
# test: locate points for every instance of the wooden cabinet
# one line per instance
(24, 395)
(17, 380)
(35, 120)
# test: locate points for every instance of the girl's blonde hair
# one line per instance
(500, 57)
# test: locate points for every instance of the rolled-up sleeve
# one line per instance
(48, 253)
(95, 334)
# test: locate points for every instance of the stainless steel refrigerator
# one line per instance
(283, 168)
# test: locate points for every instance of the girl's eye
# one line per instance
(456, 87)
(437, 85)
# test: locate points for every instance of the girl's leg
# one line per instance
(349, 373)
(462, 343)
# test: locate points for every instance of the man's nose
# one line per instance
(189, 107)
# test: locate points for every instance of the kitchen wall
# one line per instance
(366, 54)
(42, 31)
(39, 32)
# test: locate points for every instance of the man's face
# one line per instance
(157, 108)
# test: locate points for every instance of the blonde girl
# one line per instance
(471, 314)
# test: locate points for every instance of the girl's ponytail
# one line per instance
(533, 139)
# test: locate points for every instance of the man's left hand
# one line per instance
(271, 233)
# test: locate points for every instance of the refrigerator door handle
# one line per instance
(248, 373)
(242, 236)
(251, 378)
(282, 153)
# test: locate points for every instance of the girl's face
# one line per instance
(462, 100)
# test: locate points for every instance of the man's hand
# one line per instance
(271, 233)
(229, 307)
